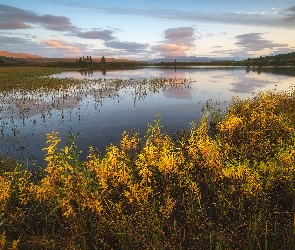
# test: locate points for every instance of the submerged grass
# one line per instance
(232, 188)
(30, 78)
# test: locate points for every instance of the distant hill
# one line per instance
(280, 56)
(287, 59)
(184, 59)
(193, 59)
(287, 56)
(17, 55)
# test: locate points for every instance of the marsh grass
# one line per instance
(232, 188)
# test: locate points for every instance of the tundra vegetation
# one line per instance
(227, 184)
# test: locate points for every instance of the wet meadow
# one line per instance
(214, 170)
(102, 105)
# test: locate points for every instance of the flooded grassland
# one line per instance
(228, 187)
(103, 104)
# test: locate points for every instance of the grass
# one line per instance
(231, 188)
(30, 78)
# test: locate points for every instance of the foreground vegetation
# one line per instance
(230, 186)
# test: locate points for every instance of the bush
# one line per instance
(231, 191)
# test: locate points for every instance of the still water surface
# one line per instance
(102, 107)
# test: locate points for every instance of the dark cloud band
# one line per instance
(16, 18)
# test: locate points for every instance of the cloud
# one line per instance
(16, 18)
(14, 25)
(263, 19)
(105, 35)
(181, 35)
(291, 9)
(167, 50)
(6, 40)
(177, 93)
(170, 47)
(62, 45)
(291, 16)
(249, 85)
(56, 23)
(12, 18)
(43, 48)
(282, 51)
(131, 47)
(177, 41)
(249, 45)
(21, 45)
(255, 42)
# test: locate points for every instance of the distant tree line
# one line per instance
(275, 60)
(85, 59)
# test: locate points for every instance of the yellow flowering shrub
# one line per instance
(5, 192)
(243, 179)
(256, 128)
(203, 151)
(231, 189)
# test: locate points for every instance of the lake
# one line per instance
(107, 103)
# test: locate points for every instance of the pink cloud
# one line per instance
(177, 42)
(60, 44)
(171, 49)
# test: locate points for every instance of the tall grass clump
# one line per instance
(231, 189)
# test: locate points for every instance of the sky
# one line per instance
(148, 29)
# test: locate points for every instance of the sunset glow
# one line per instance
(145, 30)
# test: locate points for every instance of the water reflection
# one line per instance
(26, 116)
(249, 85)
(86, 72)
(103, 104)
(177, 93)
